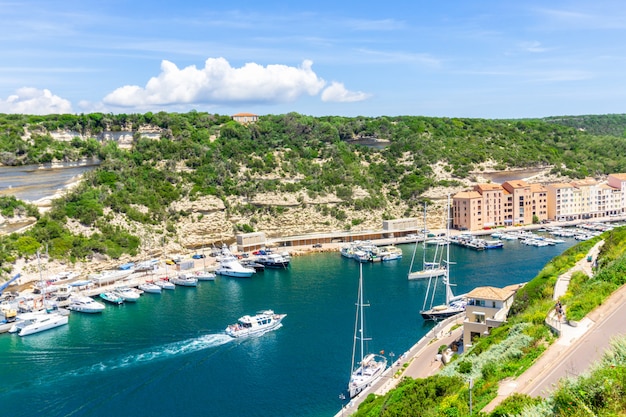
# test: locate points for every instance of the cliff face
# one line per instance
(209, 220)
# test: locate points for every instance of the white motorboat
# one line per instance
(85, 304)
(127, 294)
(272, 260)
(150, 287)
(370, 367)
(184, 280)
(258, 324)
(390, 253)
(204, 276)
(109, 276)
(230, 266)
(165, 284)
(32, 323)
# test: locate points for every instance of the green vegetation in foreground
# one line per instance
(200, 154)
(513, 347)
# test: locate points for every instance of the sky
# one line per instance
(479, 59)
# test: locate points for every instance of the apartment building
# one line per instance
(519, 203)
(487, 307)
(494, 205)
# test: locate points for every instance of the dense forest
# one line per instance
(200, 154)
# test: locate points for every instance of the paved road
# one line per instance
(573, 357)
(576, 349)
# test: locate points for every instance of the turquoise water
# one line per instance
(167, 354)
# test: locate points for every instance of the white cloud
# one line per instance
(535, 47)
(338, 92)
(28, 100)
(218, 82)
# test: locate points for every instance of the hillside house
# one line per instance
(487, 307)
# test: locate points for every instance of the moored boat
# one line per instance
(260, 323)
(204, 276)
(165, 284)
(127, 294)
(272, 260)
(38, 322)
(111, 297)
(370, 367)
(453, 304)
(107, 277)
(85, 304)
(230, 266)
(390, 253)
(184, 280)
(430, 269)
(150, 287)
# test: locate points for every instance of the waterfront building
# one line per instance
(467, 210)
(619, 181)
(495, 205)
(519, 203)
(487, 307)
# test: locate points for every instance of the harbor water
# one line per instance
(168, 355)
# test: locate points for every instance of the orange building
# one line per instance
(494, 205)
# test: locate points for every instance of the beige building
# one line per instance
(586, 199)
(467, 210)
(245, 118)
(487, 307)
(519, 203)
(618, 181)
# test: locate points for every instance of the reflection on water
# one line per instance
(33, 182)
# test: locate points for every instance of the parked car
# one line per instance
(198, 256)
(317, 245)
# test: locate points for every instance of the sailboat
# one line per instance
(453, 304)
(371, 366)
(432, 269)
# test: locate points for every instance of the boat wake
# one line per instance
(157, 353)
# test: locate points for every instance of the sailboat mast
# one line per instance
(361, 307)
(424, 240)
(447, 275)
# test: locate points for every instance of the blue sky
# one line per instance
(486, 59)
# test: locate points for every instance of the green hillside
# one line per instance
(199, 154)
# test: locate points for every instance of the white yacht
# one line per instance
(231, 267)
(85, 304)
(127, 294)
(272, 260)
(390, 253)
(165, 284)
(204, 275)
(32, 323)
(109, 276)
(150, 287)
(260, 323)
(185, 280)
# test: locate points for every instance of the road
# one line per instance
(577, 348)
(573, 357)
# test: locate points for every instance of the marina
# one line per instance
(165, 342)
